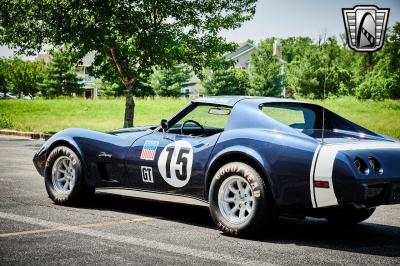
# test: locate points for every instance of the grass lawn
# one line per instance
(105, 114)
(102, 114)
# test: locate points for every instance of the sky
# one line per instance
(287, 18)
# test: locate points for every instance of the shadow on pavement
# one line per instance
(365, 238)
(184, 213)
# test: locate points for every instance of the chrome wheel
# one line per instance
(63, 174)
(236, 200)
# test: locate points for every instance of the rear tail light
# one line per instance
(375, 165)
(361, 166)
(322, 184)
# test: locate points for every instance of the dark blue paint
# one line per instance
(283, 153)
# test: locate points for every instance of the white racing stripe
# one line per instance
(151, 244)
(322, 167)
(323, 172)
(312, 176)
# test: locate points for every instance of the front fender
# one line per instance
(58, 139)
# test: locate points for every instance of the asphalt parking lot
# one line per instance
(120, 229)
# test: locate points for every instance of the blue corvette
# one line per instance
(251, 158)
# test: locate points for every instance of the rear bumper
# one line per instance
(374, 193)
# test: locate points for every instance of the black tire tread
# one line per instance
(263, 219)
(80, 193)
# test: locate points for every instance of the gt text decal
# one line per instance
(147, 174)
(175, 163)
(149, 150)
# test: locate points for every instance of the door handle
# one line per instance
(202, 144)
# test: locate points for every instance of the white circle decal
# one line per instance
(175, 163)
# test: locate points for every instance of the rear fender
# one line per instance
(238, 153)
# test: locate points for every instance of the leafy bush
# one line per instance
(6, 122)
(227, 82)
(169, 81)
(265, 71)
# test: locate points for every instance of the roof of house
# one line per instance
(245, 48)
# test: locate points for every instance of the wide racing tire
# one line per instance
(64, 177)
(241, 203)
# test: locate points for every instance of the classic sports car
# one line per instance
(251, 158)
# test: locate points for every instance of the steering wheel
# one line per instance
(194, 122)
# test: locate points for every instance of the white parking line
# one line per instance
(55, 229)
(186, 251)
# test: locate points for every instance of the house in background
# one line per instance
(90, 90)
(242, 58)
(192, 88)
(242, 55)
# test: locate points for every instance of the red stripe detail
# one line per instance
(147, 154)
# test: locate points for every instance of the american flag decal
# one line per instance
(149, 150)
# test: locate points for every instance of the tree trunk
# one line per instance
(129, 83)
(129, 106)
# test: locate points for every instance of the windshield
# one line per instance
(203, 120)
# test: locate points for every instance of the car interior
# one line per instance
(202, 121)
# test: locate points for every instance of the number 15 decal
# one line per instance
(175, 163)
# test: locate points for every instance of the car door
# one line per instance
(175, 161)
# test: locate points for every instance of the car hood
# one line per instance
(132, 131)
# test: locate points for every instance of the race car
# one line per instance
(252, 159)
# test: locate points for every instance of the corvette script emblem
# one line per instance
(103, 154)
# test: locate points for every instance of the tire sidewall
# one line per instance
(56, 196)
(259, 193)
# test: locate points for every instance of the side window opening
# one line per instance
(308, 120)
(294, 116)
(202, 121)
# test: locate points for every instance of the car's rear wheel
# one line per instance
(64, 177)
(349, 216)
(241, 204)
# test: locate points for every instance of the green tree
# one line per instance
(116, 88)
(294, 47)
(61, 76)
(168, 82)
(318, 70)
(265, 71)
(4, 75)
(378, 74)
(107, 89)
(228, 81)
(24, 77)
(132, 36)
(305, 76)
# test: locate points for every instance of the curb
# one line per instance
(31, 135)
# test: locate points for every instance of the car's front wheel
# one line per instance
(241, 204)
(64, 178)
